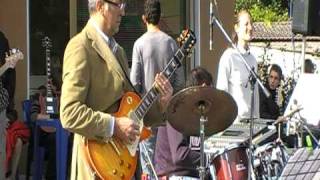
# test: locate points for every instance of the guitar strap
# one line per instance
(126, 75)
(115, 106)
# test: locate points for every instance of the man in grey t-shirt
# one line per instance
(151, 53)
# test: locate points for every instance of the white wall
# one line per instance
(288, 61)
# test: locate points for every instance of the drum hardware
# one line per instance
(270, 159)
(203, 120)
(297, 126)
(149, 161)
(204, 104)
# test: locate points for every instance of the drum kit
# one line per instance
(205, 111)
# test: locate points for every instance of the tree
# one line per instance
(265, 10)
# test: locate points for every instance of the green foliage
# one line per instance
(264, 10)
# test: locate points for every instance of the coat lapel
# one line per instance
(103, 49)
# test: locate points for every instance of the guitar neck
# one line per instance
(152, 95)
(48, 60)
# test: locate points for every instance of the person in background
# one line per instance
(269, 109)
(233, 76)
(178, 156)
(7, 86)
(151, 53)
(95, 77)
(4, 101)
(17, 135)
(309, 66)
(47, 137)
(9, 77)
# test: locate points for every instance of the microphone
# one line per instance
(210, 25)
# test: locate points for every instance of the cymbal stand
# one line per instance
(305, 126)
(299, 123)
(203, 120)
(149, 163)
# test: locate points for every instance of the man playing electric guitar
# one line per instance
(95, 77)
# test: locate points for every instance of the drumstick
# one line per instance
(284, 118)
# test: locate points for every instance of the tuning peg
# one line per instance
(14, 50)
(190, 53)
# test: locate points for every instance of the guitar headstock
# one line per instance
(187, 40)
(13, 57)
(46, 42)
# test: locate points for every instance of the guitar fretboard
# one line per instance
(48, 61)
(152, 95)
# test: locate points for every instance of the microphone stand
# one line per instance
(253, 78)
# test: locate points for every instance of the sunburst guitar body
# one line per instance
(112, 160)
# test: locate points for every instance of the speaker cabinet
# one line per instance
(305, 17)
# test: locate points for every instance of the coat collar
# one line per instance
(102, 48)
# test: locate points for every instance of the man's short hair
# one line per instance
(152, 11)
(277, 69)
(92, 6)
(309, 66)
(198, 76)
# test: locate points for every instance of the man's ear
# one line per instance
(144, 20)
(99, 6)
(235, 27)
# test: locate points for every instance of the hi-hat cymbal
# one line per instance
(218, 106)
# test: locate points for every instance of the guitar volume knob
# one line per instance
(128, 166)
(122, 176)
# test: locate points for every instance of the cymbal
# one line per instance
(184, 114)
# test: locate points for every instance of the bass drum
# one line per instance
(232, 163)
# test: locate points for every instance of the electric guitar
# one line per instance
(51, 99)
(116, 159)
(11, 60)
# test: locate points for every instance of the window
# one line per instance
(47, 18)
(132, 27)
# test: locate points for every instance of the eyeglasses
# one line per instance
(119, 5)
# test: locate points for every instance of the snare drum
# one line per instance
(232, 163)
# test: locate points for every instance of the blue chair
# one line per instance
(26, 107)
(62, 136)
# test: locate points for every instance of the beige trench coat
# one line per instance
(93, 82)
